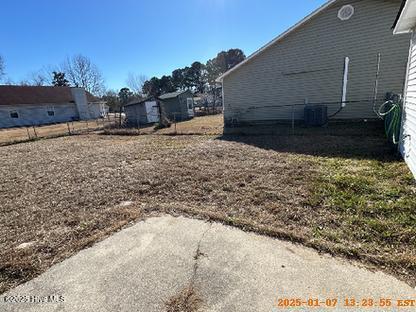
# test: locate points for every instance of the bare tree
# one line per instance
(81, 72)
(41, 77)
(2, 73)
(135, 82)
(47, 71)
(9, 81)
(24, 83)
(38, 78)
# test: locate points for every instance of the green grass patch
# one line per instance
(374, 203)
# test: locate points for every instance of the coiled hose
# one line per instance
(392, 120)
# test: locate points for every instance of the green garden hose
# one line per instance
(392, 120)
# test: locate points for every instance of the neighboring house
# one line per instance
(209, 99)
(96, 107)
(330, 57)
(29, 105)
(177, 106)
(141, 112)
(406, 23)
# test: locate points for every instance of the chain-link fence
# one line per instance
(295, 117)
(34, 132)
(208, 110)
(338, 122)
(116, 124)
(174, 123)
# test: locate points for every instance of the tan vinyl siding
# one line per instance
(408, 144)
(309, 62)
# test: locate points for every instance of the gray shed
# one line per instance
(177, 105)
(406, 23)
(142, 112)
(330, 57)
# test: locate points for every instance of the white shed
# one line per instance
(406, 23)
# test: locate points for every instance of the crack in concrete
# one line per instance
(188, 299)
(198, 255)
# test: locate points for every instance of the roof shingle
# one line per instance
(27, 95)
(170, 95)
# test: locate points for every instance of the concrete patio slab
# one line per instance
(141, 267)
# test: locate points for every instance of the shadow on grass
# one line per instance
(344, 140)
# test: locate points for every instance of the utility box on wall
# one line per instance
(316, 115)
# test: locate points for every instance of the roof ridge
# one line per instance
(12, 95)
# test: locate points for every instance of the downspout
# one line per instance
(344, 88)
(345, 82)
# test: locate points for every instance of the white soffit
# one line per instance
(407, 20)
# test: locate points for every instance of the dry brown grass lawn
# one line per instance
(206, 125)
(346, 196)
(185, 301)
(14, 135)
(200, 125)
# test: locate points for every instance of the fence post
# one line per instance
(34, 130)
(28, 133)
(293, 118)
(121, 109)
(159, 111)
(69, 128)
(174, 120)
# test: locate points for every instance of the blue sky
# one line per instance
(150, 37)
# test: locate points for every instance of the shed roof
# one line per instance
(28, 95)
(171, 95)
(136, 101)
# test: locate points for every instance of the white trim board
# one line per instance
(407, 19)
(279, 38)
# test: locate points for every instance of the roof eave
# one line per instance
(406, 20)
(173, 96)
(277, 39)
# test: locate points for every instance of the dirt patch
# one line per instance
(187, 300)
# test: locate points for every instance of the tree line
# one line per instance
(80, 71)
(197, 77)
